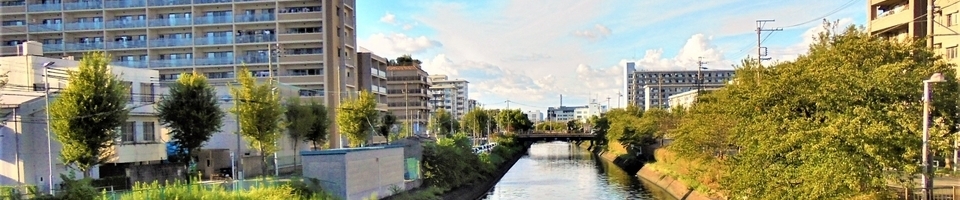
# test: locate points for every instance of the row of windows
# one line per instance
(407, 78)
(684, 75)
(129, 131)
(409, 91)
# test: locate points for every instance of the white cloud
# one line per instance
(598, 32)
(407, 27)
(697, 46)
(389, 18)
(396, 44)
(792, 52)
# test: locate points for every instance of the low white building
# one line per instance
(585, 112)
(686, 99)
(534, 115)
(23, 136)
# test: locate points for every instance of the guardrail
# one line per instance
(484, 148)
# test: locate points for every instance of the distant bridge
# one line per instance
(554, 136)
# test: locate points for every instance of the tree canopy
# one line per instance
(320, 125)
(299, 121)
(356, 118)
(476, 122)
(387, 122)
(192, 114)
(260, 114)
(514, 120)
(86, 114)
(443, 123)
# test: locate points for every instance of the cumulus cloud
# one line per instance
(698, 48)
(598, 32)
(527, 57)
(790, 53)
(389, 18)
(397, 44)
(407, 27)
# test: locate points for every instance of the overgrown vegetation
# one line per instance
(357, 117)
(450, 163)
(278, 190)
(260, 113)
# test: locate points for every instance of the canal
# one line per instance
(560, 170)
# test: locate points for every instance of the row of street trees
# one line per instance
(479, 122)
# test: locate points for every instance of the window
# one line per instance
(305, 72)
(14, 23)
(128, 132)
(218, 75)
(951, 52)
(146, 92)
(148, 131)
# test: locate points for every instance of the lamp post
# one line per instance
(927, 176)
(46, 99)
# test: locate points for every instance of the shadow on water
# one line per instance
(559, 170)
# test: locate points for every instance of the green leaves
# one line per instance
(356, 118)
(443, 123)
(514, 120)
(386, 123)
(259, 111)
(300, 119)
(476, 121)
(191, 113)
(86, 114)
(318, 127)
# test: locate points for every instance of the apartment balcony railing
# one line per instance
(127, 44)
(171, 22)
(83, 5)
(44, 7)
(126, 23)
(172, 42)
(264, 17)
(36, 28)
(211, 1)
(256, 38)
(52, 48)
(213, 19)
(216, 61)
(255, 59)
(171, 63)
(83, 26)
(89, 46)
(131, 63)
(124, 4)
(168, 2)
(214, 40)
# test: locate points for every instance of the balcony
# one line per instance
(264, 17)
(295, 16)
(172, 42)
(213, 20)
(130, 63)
(891, 18)
(9, 50)
(216, 61)
(44, 7)
(126, 23)
(89, 46)
(138, 152)
(83, 26)
(303, 58)
(171, 22)
(214, 40)
(211, 1)
(256, 38)
(300, 37)
(14, 29)
(251, 59)
(171, 63)
(126, 44)
(83, 5)
(48, 48)
(19, 8)
(37, 28)
(168, 2)
(124, 4)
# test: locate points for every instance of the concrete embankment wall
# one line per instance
(479, 190)
(672, 186)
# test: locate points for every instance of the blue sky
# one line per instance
(531, 51)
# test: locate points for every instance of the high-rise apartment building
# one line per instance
(650, 89)
(373, 76)
(451, 95)
(903, 20)
(308, 44)
(407, 94)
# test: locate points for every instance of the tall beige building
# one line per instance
(311, 44)
(407, 95)
(906, 20)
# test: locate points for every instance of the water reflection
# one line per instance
(559, 170)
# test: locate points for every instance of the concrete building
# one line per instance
(311, 44)
(903, 20)
(686, 99)
(534, 115)
(562, 113)
(583, 113)
(359, 173)
(407, 95)
(24, 140)
(650, 89)
(373, 76)
(471, 104)
(450, 94)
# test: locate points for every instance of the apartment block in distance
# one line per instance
(373, 76)
(651, 89)
(407, 94)
(450, 95)
(903, 20)
(310, 44)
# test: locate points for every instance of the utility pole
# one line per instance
(619, 96)
(700, 75)
(760, 48)
(930, 23)
(508, 104)
(406, 105)
(659, 90)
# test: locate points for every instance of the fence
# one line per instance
(939, 193)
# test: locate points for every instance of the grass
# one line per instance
(701, 175)
(271, 190)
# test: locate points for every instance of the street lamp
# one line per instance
(46, 99)
(927, 176)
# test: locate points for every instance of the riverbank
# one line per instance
(655, 174)
(479, 190)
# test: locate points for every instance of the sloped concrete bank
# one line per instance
(479, 190)
(675, 188)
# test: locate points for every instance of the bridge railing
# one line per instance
(484, 148)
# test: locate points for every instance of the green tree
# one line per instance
(443, 122)
(574, 126)
(476, 122)
(514, 120)
(319, 126)
(387, 121)
(260, 114)
(191, 113)
(356, 117)
(300, 121)
(88, 111)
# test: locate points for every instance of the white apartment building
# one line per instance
(585, 112)
(23, 134)
(534, 115)
(451, 95)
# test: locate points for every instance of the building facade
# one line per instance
(310, 44)
(23, 137)
(650, 89)
(903, 20)
(562, 113)
(408, 95)
(373, 76)
(450, 95)
(594, 108)
(686, 99)
(534, 115)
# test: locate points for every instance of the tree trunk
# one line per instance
(263, 160)
(295, 150)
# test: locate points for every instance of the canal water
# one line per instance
(560, 170)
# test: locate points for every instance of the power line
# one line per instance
(844, 6)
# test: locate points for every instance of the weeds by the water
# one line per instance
(271, 189)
